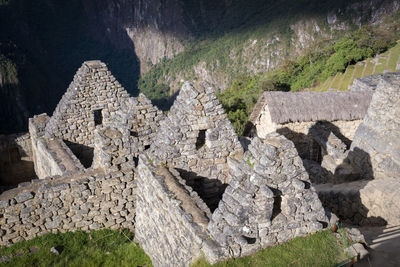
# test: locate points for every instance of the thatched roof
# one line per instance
(313, 106)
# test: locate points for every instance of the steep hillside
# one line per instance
(386, 62)
(167, 41)
(270, 33)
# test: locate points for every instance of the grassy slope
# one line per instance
(381, 63)
(114, 248)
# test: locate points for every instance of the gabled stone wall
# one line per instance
(93, 88)
(197, 135)
(95, 99)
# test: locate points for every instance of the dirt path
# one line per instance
(384, 246)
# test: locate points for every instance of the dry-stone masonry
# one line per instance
(96, 121)
(84, 201)
(171, 219)
(375, 151)
(197, 136)
(92, 98)
(50, 156)
(113, 150)
(365, 202)
(269, 199)
(182, 212)
(95, 99)
(184, 183)
(368, 83)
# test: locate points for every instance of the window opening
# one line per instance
(201, 139)
(98, 117)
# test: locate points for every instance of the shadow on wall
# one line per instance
(209, 190)
(85, 154)
(15, 167)
(345, 200)
(384, 245)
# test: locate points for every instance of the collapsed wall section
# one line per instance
(84, 201)
(375, 151)
(113, 150)
(141, 119)
(269, 199)
(171, 219)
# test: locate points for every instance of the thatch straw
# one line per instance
(313, 106)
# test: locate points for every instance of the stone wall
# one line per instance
(113, 150)
(171, 219)
(299, 133)
(51, 156)
(84, 201)
(95, 99)
(92, 98)
(269, 199)
(375, 151)
(141, 119)
(365, 202)
(197, 135)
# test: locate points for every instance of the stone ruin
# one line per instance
(184, 183)
(85, 156)
(227, 203)
(370, 193)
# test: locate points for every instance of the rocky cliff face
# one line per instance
(155, 28)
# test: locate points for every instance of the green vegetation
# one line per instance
(320, 249)
(116, 248)
(239, 100)
(313, 69)
(383, 62)
(8, 71)
(324, 61)
(97, 248)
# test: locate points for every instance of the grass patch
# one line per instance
(394, 57)
(369, 68)
(346, 79)
(358, 71)
(319, 249)
(97, 248)
(380, 67)
(338, 80)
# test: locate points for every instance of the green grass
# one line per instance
(115, 248)
(394, 58)
(380, 67)
(320, 249)
(358, 70)
(346, 78)
(97, 248)
(338, 79)
(369, 68)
